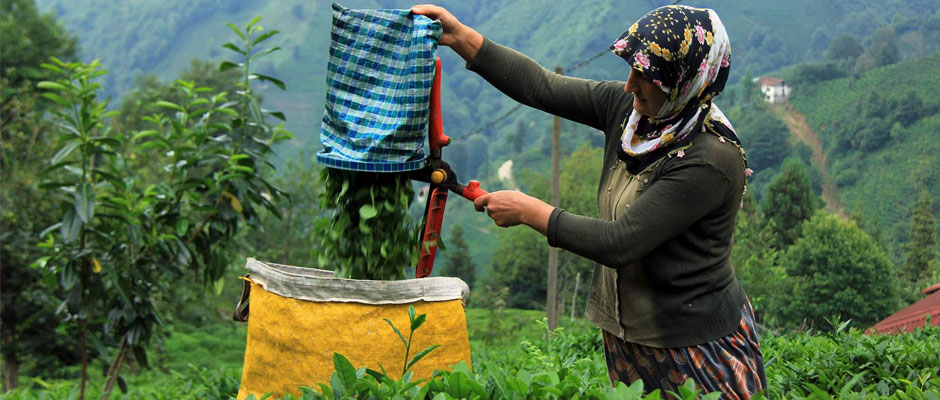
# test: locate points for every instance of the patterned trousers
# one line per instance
(732, 365)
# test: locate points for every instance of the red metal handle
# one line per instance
(472, 190)
(436, 136)
(434, 218)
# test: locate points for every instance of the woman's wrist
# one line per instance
(537, 215)
(468, 42)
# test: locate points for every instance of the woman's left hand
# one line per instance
(510, 208)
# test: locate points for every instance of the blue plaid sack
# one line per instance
(379, 78)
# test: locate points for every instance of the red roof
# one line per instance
(913, 316)
(769, 81)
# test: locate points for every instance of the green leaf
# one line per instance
(418, 321)
(378, 375)
(236, 30)
(51, 85)
(227, 65)
(345, 372)
(397, 332)
(234, 48)
(326, 391)
(367, 212)
(275, 81)
(264, 36)
(57, 99)
(64, 152)
(276, 114)
(167, 104)
(254, 21)
(140, 354)
(85, 201)
(153, 144)
(71, 226)
(182, 226)
(145, 134)
(817, 392)
(420, 355)
(264, 52)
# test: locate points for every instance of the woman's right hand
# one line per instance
(463, 39)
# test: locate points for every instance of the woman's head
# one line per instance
(682, 51)
(648, 98)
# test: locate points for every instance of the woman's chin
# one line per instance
(640, 107)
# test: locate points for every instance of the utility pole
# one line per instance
(552, 300)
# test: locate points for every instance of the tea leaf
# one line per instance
(421, 355)
(397, 332)
(345, 374)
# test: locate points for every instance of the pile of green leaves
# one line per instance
(367, 233)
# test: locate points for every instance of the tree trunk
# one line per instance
(11, 363)
(286, 258)
(84, 348)
(115, 370)
(11, 371)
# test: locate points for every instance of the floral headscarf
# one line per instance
(685, 51)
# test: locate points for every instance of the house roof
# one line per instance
(768, 81)
(914, 316)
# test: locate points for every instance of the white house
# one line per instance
(775, 89)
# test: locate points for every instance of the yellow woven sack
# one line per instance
(300, 316)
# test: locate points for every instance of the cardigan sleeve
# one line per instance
(580, 100)
(683, 194)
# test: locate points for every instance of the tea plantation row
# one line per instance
(567, 364)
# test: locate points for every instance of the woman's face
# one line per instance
(647, 97)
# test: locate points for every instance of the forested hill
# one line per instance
(134, 37)
(880, 132)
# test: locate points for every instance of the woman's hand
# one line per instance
(463, 39)
(510, 208)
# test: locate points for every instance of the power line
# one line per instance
(518, 106)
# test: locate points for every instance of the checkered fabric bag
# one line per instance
(379, 80)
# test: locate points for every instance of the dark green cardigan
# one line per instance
(664, 277)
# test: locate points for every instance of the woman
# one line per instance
(664, 292)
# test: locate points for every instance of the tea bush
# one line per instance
(569, 364)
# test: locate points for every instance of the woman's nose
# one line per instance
(630, 87)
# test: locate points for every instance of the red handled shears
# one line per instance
(441, 178)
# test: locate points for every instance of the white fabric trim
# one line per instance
(320, 285)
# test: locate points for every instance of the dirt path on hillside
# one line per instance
(796, 123)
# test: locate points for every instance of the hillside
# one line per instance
(136, 37)
(881, 183)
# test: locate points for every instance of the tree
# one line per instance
(789, 201)
(27, 319)
(922, 249)
(755, 259)
(836, 270)
(289, 239)
(459, 262)
(29, 39)
(519, 261)
(142, 101)
(764, 135)
(881, 50)
(121, 240)
(844, 46)
(519, 264)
